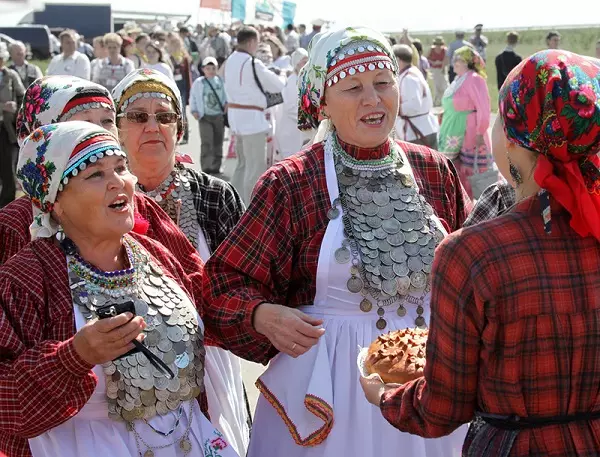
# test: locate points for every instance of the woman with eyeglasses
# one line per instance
(149, 117)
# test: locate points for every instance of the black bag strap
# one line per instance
(216, 95)
(256, 78)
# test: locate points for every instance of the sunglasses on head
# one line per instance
(140, 117)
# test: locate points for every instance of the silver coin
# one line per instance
(403, 285)
(406, 198)
(427, 268)
(141, 307)
(390, 287)
(162, 409)
(415, 264)
(369, 209)
(150, 290)
(381, 198)
(165, 345)
(394, 192)
(384, 246)
(174, 385)
(401, 269)
(391, 226)
(386, 259)
(380, 234)
(376, 262)
(418, 280)
(411, 237)
(333, 213)
(397, 239)
(387, 272)
(182, 360)
(155, 280)
(351, 190)
(355, 284)
(386, 212)
(427, 260)
(134, 373)
(398, 254)
(373, 244)
(364, 195)
(411, 207)
(403, 216)
(342, 255)
(152, 311)
(165, 311)
(376, 280)
(152, 338)
(367, 236)
(160, 383)
(408, 227)
(175, 334)
(169, 357)
(145, 371)
(411, 248)
(174, 318)
(364, 228)
(423, 240)
(374, 222)
(162, 394)
(110, 369)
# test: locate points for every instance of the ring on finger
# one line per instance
(293, 347)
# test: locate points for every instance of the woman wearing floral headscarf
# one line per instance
(149, 109)
(514, 338)
(318, 266)
(70, 380)
(464, 133)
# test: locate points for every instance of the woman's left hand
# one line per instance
(374, 388)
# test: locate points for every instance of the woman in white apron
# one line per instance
(335, 248)
(205, 208)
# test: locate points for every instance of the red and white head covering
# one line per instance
(334, 56)
(52, 155)
(53, 99)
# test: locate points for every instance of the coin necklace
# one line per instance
(175, 196)
(390, 235)
(135, 390)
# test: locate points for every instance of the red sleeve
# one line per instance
(253, 265)
(15, 219)
(445, 398)
(43, 383)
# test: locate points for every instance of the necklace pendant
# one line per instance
(401, 311)
(366, 306)
(381, 323)
(420, 321)
(333, 213)
(149, 453)
(355, 284)
(342, 255)
(186, 445)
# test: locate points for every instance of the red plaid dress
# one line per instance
(43, 382)
(15, 219)
(515, 330)
(272, 254)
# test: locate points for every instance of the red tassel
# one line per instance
(140, 225)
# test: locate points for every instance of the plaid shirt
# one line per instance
(515, 318)
(493, 202)
(272, 254)
(218, 205)
(43, 382)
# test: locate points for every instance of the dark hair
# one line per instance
(140, 37)
(302, 25)
(552, 34)
(184, 30)
(403, 53)
(157, 48)
(392, 40)
(290, 27)
(512, 38)
(159, 36)
(246, 34)
(418, 45)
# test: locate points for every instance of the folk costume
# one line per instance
(345, 234)
(205, 209)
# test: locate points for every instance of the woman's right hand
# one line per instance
(104, 340)
(289, 330)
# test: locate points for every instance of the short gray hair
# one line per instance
(403, 52)
(17, 44)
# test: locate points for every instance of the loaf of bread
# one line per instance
(398, 356)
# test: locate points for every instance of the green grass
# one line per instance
(581, 41)
(43, 64)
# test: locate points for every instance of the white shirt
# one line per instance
(292, 41)
(76, 64)
(283, 63)
(416, 103)
(289, 139)
(241, 89)
(161, 67)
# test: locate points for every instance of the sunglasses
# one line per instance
(139, 117)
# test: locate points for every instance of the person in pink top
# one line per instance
(464, 136)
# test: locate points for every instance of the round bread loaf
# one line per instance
(398, 356)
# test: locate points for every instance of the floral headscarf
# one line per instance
(53, 99)
(471, 56)
(53, 154)
(148, 83)
(334, 55)
(550, 104)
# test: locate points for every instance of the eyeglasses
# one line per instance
(139, 117)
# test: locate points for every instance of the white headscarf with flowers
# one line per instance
(334, 55)
(53, 154)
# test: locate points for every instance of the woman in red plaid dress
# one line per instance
(514, 336)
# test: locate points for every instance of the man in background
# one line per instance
(305, 40)
(69, 62)
(85, 48)
(459, 42)
(507, 59)
(438, 59)
(292, 39)
(28, 72)
(479, 41)
(553, 40)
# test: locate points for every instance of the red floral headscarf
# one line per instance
(550, 104)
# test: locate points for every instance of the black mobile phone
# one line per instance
(112, 310)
